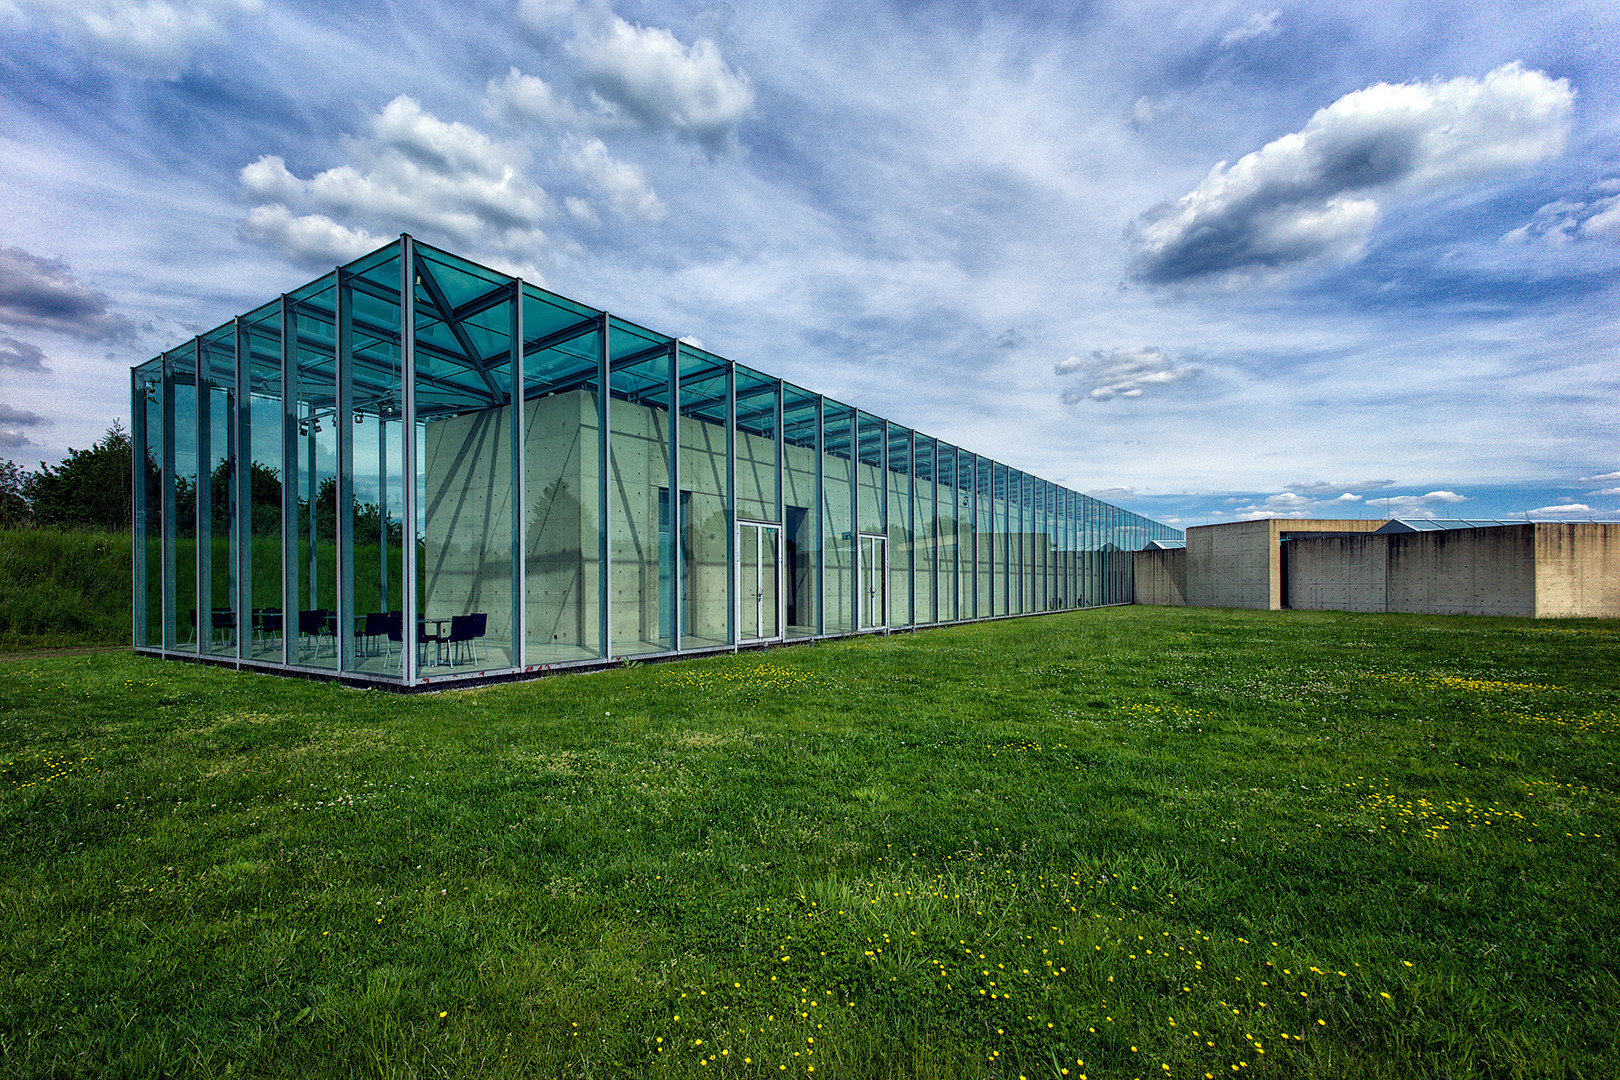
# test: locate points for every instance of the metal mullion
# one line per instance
(242, 487)
(855, 520)
(520, 479)
(168, 542)
(140, 616)
(781, 490)
(883, 520)
(911, 522)
(821, 517)
(311, 497)
(677, 534)
(731, 495)
(203, 593)
(407, 445)
(289, 480)
(973, 531)
(604, 569)
(343, 363)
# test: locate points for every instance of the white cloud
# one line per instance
(664, 85)
(1324, 487)
(311, 239)
(1315, 195)
(1605, 491)
(582, 210)
(1601, 477)
(1564, 221)
(624, 184)
(148, 38)
(1415, 505)
(520, 98)
(417, 173)
(1121, 373)
(1143, 113)
(543, 14)
(1260, 24)
(1109, 494)
(1561, 510)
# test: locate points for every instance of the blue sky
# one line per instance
(1208, 262)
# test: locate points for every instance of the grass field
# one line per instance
(1133, 842)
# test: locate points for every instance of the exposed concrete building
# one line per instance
(1538, 570)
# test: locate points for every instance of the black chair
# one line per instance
(313, 624)
(224, 622)
(394, 631)
(269, 622)
(465, 630)
(376, 630)
(480, 623)
(437, 640)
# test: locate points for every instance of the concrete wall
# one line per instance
(1336, 573)
(1489, 571)
(1539, 570)
(1238, 564)
(1578, 570)
(1232, 565)
(1160, 576)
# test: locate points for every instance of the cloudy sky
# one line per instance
(1208, 261)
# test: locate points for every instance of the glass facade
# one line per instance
(416, 470)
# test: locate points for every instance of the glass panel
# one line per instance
(261, 534)
(640, 432)
(770, 602)
(924, 528)
(374, 464)
(802, 530)
(464, 467)
(561, 358)
(1040, 597)
(314, 354)
(945, 508)
(749, 593)
(755, 445)
(986, 540)
(147, 536)
(707, 573)
(1004, 547)
(964, 535)
(838, 535)
(877, 592)
(869, 473)
(218, 456)
(900, 547)
(182, 634)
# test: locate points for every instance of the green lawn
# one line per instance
(1135, 842)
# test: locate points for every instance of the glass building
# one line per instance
(539, 484)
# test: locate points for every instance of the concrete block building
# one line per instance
(1427, 566)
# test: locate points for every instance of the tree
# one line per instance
(89, 488)
(14, 510)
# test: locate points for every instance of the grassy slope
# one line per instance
(1158, 842)
(63, 588)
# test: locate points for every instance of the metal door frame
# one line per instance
(861, 574)
(760, 528)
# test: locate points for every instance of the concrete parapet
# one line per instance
(1160, 576)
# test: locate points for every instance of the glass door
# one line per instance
(874, 578)
(759, 582)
